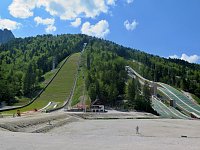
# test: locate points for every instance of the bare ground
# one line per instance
(84, 134)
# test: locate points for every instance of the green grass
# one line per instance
(163, 97)
(59, 89)
(47, 77)
(79, 89)
(21, 101)
(87, 100)
(196, 98)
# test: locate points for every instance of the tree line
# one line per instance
(24, 61)
(108, 82)
(175, 72)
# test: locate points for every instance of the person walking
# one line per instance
(137, 129)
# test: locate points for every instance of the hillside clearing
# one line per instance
(59, 89)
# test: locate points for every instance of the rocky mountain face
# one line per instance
(6, 35)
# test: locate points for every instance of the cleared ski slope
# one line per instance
(166, 112)
(58, 90)
(181, 100)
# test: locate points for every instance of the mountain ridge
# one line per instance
(6, 35)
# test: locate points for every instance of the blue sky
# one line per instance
(161, 27)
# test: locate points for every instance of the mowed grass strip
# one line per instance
(60, 88)
(79, 90)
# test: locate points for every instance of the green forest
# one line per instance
(24, 61)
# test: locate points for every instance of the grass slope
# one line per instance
(80, 93)
(47, 77)
(196, 98)
(59, 89)
(79, 89)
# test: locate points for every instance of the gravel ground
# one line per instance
(114, 134)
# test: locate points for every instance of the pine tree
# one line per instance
(131, 90)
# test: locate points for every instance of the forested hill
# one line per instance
(153, 67)
(175, 72)
(24, 61)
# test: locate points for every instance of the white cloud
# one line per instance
(101, 29)
(49, 22)
(22, 8)
(174, 57)
(111, 2)
(9, 24)
(190, 59)
(68, 9)
(129, 1)
(76, 23)
(130, 26)
(50, 29)
(65, 9)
